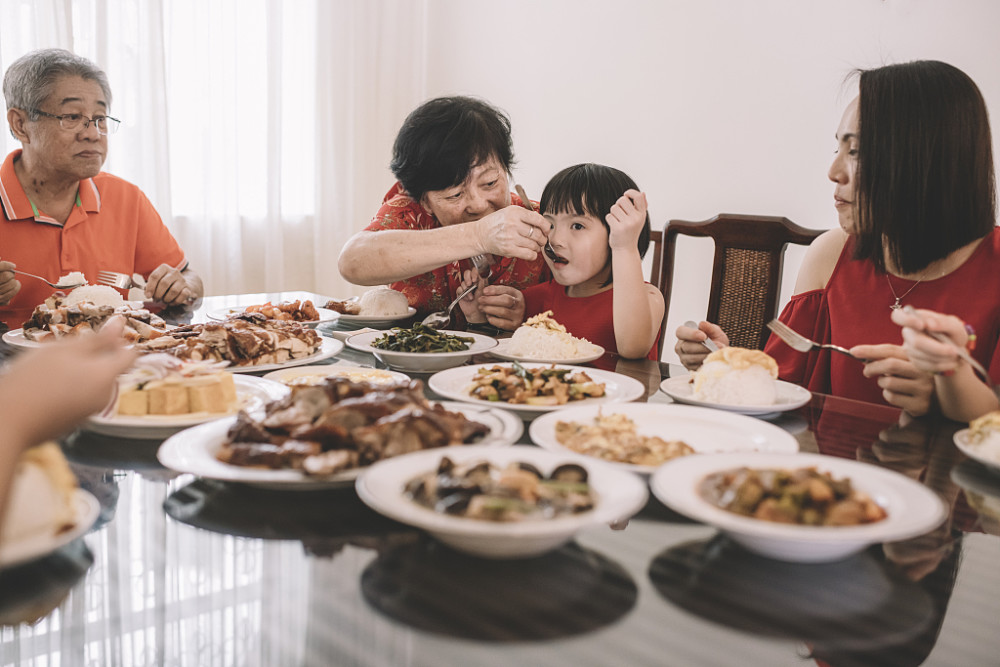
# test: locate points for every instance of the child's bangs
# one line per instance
(575, 191)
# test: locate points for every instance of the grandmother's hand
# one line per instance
(169, 286)
(503, 306)
(902, 383)
(9, 284)
(690, 343)
(513, 232)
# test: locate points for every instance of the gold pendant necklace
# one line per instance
(899, 297)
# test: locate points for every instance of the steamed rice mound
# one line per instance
(384, 302)
(737, 376)
(99, 295)
(541, 337)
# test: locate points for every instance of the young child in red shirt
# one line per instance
(599, 233)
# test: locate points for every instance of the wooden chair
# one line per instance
(746, 273)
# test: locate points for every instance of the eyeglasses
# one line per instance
(72, 121)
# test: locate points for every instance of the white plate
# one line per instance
(193, 451)
(912, 508)
(422, 362)
(253, 393)
(973, 451)
(85, 512)
(377, 322)
(790, 397)
(454, 383)
(15, 338)
(330, 347)
(619, 495)
(501, 352)
(706, 431)
(225, 313)
(316, 373)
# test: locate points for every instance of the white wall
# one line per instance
(712, 106)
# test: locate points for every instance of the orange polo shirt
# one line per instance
(113, 227)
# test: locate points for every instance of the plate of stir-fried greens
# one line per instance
(421, 348)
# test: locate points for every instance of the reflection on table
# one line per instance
(184, 571)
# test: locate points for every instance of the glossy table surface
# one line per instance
(182, 571)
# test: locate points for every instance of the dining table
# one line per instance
(180, 570)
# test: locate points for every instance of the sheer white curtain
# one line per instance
(260, 129)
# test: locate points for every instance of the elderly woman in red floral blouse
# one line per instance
(452, 201)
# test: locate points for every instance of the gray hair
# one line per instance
(30, 79)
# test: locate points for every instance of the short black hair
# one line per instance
(444, 138)
(591, 189)
(925, 183)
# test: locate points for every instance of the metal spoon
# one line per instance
(54, 285)
(442, 318)
(549, 250)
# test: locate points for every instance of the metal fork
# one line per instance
(483, 266)
(800, 343)
(119, 280)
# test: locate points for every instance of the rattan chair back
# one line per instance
(746, 272)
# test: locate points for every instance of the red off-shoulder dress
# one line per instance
(854, 309)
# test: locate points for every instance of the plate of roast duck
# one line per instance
(322, 434)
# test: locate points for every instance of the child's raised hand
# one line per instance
(626, 219)
(470, 304)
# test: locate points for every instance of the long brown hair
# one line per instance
(925, 183)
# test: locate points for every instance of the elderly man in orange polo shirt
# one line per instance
(61, 212)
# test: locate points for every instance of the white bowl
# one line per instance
(912, 508)
(619, 495)
(422, 362)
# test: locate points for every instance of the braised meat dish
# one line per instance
(339, 424)
(802, 496)
(250, 339)
(516, 492)
(294, 311)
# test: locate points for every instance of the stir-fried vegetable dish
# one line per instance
(534, 386)
(421, 338)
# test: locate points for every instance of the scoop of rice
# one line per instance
(383, 302)
(736, 376)
(72, 278)
(541, 337)
(99, 295)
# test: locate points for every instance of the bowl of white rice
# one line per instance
(544, 340)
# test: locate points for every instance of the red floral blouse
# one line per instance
(434, 290)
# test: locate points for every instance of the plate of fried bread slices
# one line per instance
(341, 426)
(161, 395)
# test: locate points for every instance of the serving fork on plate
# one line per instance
(800, 343)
